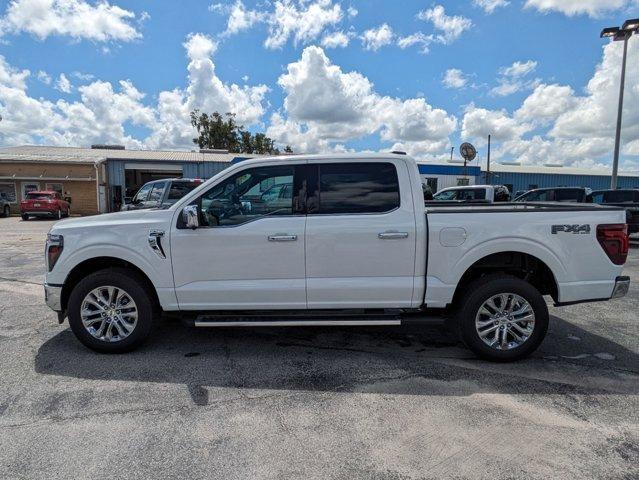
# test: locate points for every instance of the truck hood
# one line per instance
(130, 218)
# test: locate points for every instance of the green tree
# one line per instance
(223, 132)
(288, 149)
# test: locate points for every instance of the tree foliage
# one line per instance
(223, 132)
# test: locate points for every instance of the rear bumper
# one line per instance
(622, 284)
(39, 213)
(53, 297)
(598, 292)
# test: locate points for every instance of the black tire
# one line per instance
(58, 215)
(67, 214)
(482, 289)
(25, 217)
(136, 287)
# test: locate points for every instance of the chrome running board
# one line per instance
(294, 323)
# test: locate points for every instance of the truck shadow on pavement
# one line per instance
(412, 360)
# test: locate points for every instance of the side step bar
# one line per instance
(293, 323)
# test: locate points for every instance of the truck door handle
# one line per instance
(282, 238)
(392, 235)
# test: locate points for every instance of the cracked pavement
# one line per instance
(379, 403)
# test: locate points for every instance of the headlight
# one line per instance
(53, 249)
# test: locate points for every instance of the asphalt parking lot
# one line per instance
(380, 403)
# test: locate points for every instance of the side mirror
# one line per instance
(190, 217)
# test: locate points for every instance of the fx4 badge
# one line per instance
(576, 229)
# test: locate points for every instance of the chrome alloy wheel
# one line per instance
(505, 321)
(109, 313)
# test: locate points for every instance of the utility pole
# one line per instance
(623, 34)
(615, 161)
(488, 163)
(451, 153)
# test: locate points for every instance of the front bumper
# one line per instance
(622, 284)
(53, 297)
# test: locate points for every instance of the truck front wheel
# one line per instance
(111, 310)
(502, 318)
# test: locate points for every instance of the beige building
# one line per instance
(99, 179)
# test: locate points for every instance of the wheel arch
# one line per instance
(520, 264)
(91, 265)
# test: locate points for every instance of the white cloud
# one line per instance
(44, 77)
(478, 123)
(352, 12)
(103, 110)
(519, 69)
(239, 17)
(63, 84)
(450, 26)
(569, 128)
(490, 6)
(455, 78)
(75, 18)
(375, 38)
(85, 77)
(512, 80)
(206, 92)
(593, 8)
(417, 38)
(326, 106)
(336, 39)
(546, 103)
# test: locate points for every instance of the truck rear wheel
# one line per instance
(112, 310)
(502, 318)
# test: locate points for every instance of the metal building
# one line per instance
(527, 177)
(438, 176)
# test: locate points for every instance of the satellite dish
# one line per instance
(468, 152)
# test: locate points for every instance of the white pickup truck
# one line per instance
(351, 243)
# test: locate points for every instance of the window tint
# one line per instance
(356, 188)
(538, 196)
(143, 193)
(619, 196)
(243, 197)
(157, 192)
(568, 195)
(179, 189)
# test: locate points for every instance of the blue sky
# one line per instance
(534, 73)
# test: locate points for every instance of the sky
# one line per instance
(325, 75)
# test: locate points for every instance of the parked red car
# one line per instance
(44, 204)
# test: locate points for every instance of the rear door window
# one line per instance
(352, 188)
(179, 189)
(569, 195)
(619, 196)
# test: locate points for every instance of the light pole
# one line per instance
(628, 28)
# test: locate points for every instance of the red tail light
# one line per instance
(613, 238)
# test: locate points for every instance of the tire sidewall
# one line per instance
(482, 290)
(135, 287)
